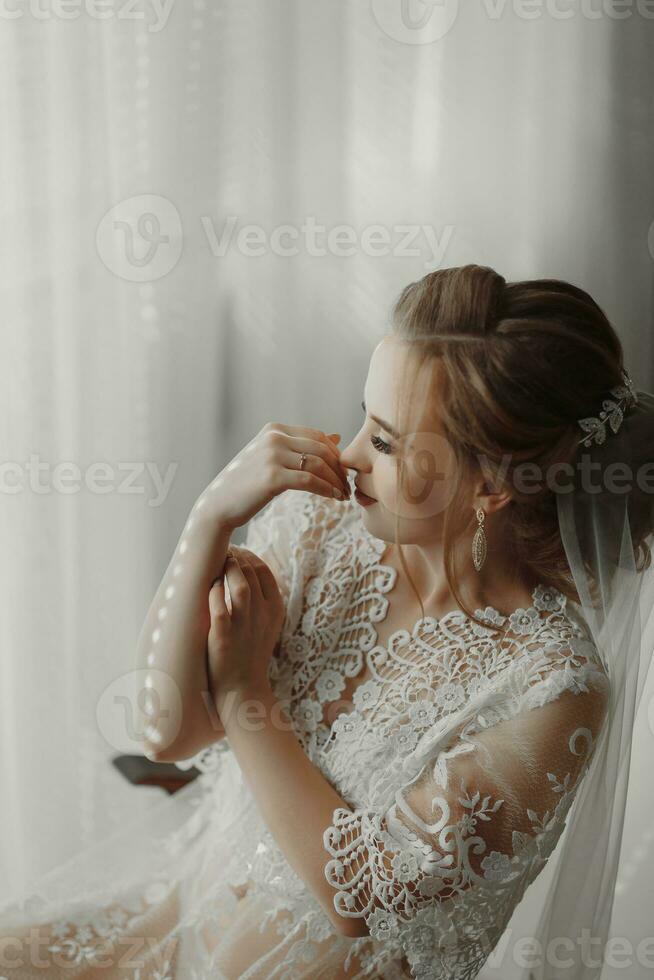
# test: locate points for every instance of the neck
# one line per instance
(499, 583)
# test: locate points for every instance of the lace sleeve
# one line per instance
(480, 803)
(287, 534)
(270, 536)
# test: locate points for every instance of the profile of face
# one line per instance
(378, 447)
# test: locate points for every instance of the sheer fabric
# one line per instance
(459, 756)
(605, 508)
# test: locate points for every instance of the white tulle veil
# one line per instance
(605, 511)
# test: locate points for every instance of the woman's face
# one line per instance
(376, 450)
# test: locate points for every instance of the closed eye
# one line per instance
(380, 445)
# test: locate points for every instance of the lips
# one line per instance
(363, 492)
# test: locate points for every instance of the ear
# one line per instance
(490, 499)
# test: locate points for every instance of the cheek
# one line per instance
(384, 478)
(427, 491)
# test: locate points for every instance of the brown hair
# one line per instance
(520, 363)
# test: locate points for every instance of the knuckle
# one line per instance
(275, 438)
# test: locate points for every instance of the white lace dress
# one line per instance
(459, 757)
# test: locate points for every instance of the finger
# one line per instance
(250, 572)
(319, 461)
(239, 588)
(315, 435)
(265, 575)
(308, 481)
(217, 605)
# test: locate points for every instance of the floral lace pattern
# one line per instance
(403, 752)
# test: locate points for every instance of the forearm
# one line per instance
(173, 641)
(295, 800)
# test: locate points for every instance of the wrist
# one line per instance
(231, 696)
(211, 520)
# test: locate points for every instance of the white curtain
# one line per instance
(138, 334)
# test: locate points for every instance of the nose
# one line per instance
(354, 457)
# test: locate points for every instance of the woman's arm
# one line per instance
(173, 640)
(295, 800)
(172, 645)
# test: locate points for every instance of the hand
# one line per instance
(270, 464)
(241, 641)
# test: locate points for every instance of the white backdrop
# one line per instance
(510, 135)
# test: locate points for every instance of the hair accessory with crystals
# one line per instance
(612, 412)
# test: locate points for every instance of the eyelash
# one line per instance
(380, 445)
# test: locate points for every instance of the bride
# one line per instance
(390, 691)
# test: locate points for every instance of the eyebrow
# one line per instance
(385, 425)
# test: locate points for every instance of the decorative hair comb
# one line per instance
(612, 412)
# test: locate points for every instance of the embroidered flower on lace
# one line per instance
(308, 715)
(296, 648)
(497, 866)
(329, 685)
(478, 684)
(383, 925)
(524, 621)
(348, 726)
(366, 695)
(405, 866)
(450, 696)
(423, 713)
(405, 738)
(548, 600)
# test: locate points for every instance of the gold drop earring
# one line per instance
(479, 543)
